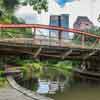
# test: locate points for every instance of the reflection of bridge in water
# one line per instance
(83, 46)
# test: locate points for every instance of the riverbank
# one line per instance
(13, 91)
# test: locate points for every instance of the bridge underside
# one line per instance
(49, 51)
(83, 46)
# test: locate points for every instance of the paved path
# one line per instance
(11, 94)
(16, 92)
(28, 93)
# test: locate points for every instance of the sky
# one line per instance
(63, 2)
(74, 8)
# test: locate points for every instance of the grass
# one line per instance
(3, 82)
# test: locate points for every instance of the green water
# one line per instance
(88, 90)
(79, 93)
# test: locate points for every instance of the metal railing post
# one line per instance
(0, 32)
(34, 33)
(60, 38)
(83, 40)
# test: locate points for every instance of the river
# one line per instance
(80, 92)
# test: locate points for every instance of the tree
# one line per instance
(7, 7)
(38, 5)
(44, 69)
(94, 30)
(10, 5)
(98, 19)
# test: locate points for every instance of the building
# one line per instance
(73, 9)
(83, 23)
(61, 21)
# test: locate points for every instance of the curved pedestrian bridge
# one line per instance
(82, 45)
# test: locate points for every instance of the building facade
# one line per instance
(83, 23)
(73, 9)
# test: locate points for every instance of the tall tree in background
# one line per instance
(38, 5)
(98, 19)
(7, 7)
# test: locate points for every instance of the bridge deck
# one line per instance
(47, 48)
(83, 45)
(32, 42)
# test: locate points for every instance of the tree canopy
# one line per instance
(10, 5)
(37, 5)
(7, 8)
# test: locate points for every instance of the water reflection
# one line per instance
(50, 87)
(83, 89)
(79, 92)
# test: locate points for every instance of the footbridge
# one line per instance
(80, 45)
(51, 43)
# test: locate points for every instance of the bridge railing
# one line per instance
(52, 35)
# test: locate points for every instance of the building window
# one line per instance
(61, 21)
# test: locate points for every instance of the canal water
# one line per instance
(84, 90)
(79, 92)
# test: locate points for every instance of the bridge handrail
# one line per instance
(48, 27)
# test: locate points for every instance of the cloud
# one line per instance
(26, 13)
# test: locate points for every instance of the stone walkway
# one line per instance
(28, 93)
(15, 92)
(11, 94)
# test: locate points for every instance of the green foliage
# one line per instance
(45, 69)
(3, 82)
(76, 64)
(1, 72)
(88, 40)
(98, 19)
(94, 30)
(10, 4)
(16, 33)
(7, 8)
(38, 5)
(64, 66)
(31, 69)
